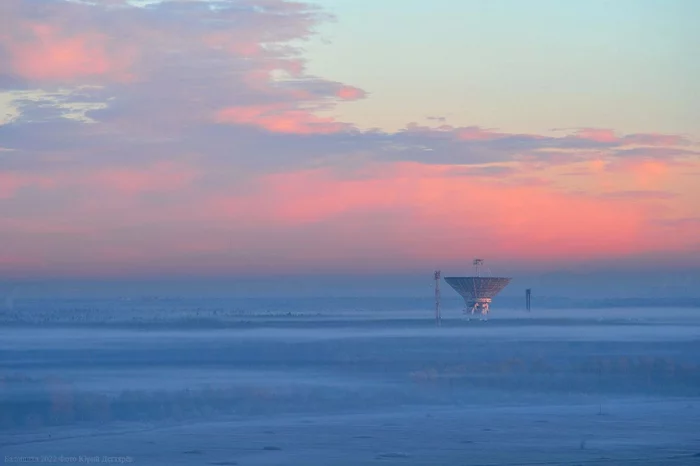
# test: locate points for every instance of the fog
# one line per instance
(665, 285)
(333, 381)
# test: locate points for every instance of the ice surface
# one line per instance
(168, 383)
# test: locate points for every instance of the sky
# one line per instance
(276, 138)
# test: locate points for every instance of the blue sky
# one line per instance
(517, 65)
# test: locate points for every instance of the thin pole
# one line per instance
(528, 298)
(438, 317)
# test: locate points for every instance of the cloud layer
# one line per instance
(189, 135)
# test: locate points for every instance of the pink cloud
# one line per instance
(160, 177)
(433, 211)
(279, 118)
(244, 47)
(597, 135)
(474, 133)
(350, 93)
(385, 215)
(11, 183)
(648, 173)
(560, 225)
(407, 214)
(640, 139)
(463, 133)
(40, 51)
(16, 262)
(653, 139)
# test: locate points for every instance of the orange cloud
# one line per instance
(279, 118)
(45, 52)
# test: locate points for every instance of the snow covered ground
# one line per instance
(174, 384)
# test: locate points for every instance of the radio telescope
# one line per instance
(477, 291)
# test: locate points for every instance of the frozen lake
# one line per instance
(158, 385)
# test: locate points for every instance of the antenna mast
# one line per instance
(477, 266)
(438, 317)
